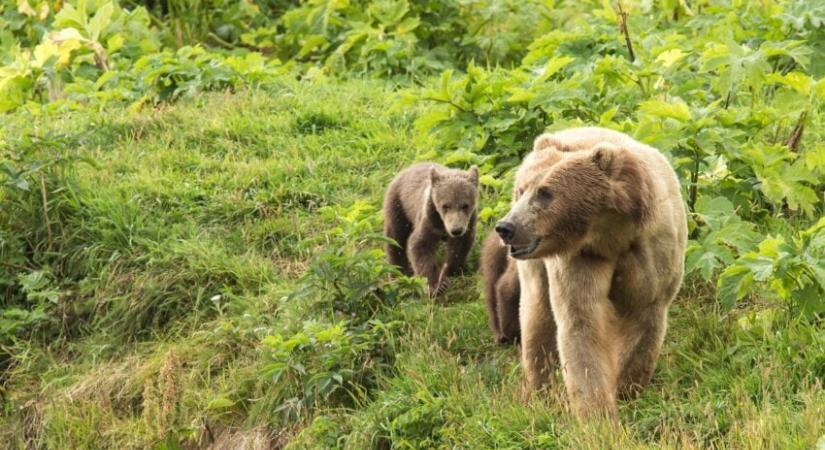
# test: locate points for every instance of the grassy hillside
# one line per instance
(190, 247)
(194, 320)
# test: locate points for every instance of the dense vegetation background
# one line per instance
(189, 228)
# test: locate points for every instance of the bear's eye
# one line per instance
(520, 192)
(465, 207)
(544, 194)
(445, 207)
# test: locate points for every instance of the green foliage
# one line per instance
(84, 42)
(168, 76)
(328, 365)
(41, 293)
(792, 269)
(98, 53)
(36, 194)
(723, 236)
(190, 248)
(349, 279)
(391, 37)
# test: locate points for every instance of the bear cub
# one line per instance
(425, 204)
(501, 289)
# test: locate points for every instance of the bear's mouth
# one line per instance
(522, 251)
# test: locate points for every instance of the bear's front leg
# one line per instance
(538, 328)
(422, 254)
(587, 334)
(639, 360)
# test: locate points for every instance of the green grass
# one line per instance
(184, 247)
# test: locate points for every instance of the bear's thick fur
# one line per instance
(501, 291)
(599, 232)
(425, 204)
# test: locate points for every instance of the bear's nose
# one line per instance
(455, 232)
(506, 230)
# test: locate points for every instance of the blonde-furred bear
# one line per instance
(598, 229)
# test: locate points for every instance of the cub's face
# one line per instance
(554, 207)
(454, 195)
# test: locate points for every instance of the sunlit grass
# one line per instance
(187, 238)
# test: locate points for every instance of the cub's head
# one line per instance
(556, 203)
(454, 194)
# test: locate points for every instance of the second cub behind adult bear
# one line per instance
(501, 289)
(425, 204)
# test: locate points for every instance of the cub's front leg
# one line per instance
(422, 246)
(587, 334)
(457, 250)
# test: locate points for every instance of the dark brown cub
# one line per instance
(424, 205)
(501, 289)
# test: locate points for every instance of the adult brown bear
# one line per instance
(599, 232)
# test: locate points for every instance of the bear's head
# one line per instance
(558, 200)
(454, 194)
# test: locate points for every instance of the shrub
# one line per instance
(325, 364)
(350, 278)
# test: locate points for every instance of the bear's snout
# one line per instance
(506, 230)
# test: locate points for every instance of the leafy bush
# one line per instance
(329, 364)
(168, 76)
(85, 42)
(723, 236)
(792, 270)
(348, 278)
(98, 52)
(391, 37)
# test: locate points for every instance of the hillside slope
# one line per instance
(180, 311)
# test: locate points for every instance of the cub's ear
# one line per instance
(472, 175)
(434, 175)
(607, 157)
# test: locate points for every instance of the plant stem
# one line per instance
(45, 208)
(796, 135)
(14, 266)
(694, 180)
(625, 32)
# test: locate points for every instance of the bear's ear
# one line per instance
(434, 175)
(631, 191)
(607, 158)
(472, 175)
(547, 141)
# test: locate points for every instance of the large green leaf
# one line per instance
(733, 285)
(675, 110)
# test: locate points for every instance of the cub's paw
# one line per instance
(502, 339)
(435, 291)
(440, 286)
(443, 281)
